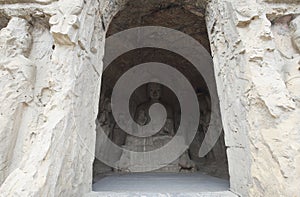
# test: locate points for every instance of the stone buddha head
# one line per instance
(154, 91)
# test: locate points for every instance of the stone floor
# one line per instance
(161, 184)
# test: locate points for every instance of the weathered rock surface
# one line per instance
(17, 84)
(252, 52)
(50, 77)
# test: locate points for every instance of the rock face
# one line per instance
(49, 142)
(50, 79)
(256, 64)
(17, 84)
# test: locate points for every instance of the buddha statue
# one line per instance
(141, 117)
(159, 139)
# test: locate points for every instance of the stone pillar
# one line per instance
(259, 115)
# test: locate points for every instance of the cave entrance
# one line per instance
(189, 169)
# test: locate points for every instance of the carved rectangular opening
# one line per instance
(124, 147)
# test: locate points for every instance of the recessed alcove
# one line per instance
(189, 19)
(3, 20)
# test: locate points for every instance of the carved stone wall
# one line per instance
(52, 137)
(17, 84)
(50, 77)
(252, 50)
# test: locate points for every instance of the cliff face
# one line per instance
(50, 92)
(257, 67)
(50, 79)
